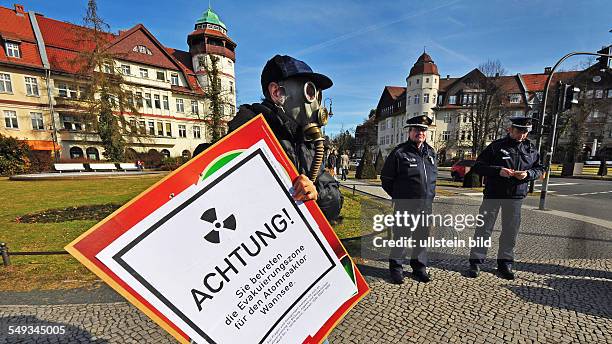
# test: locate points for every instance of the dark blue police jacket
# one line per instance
(410, 173)
(509, 153)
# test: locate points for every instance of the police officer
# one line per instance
(508, 165)
(409, 177)
(293, 110)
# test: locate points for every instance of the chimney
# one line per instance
(447, 76)
(547, 70)
(19, 9)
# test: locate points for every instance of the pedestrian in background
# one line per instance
(344, 164)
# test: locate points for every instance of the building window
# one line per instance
(169, 129)
(180, 107)
(161, 75)
(165, 153)
(139, 99)
(92, 153)
(231, 87)
(37, 121)
(151, 128)
(196, 132)
(433, 98)
(515, 98)
(107, 68)
(182, 130)
(589, 94)
(174, 79)
(445, 135)
(76, 153)
(144, 73)
(452, 100)
(5, 83)
(67, 91)
(147, 99)
(469, 135)
(426, 98)
(598, 94)
(610, 93)
(10, 119)
(186, 154)
(166, 103)
(31, 86)
(417, 81)
(427, 80)
(160, 129)
(156, 101)
(447, 118)
(416, 99)
(71, 123)
(125, 70)
(12, 50)
(194, 107)
(142, 49)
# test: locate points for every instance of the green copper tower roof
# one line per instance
(210, 17)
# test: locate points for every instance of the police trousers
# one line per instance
(511, 221)
(418, 257)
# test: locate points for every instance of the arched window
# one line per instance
(130, 154)
(165, 153)
(76, 153)
(152, 151)
(92, 153)
(186, 154)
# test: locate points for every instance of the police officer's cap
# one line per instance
(282, 67)
(523, 122)
(419, 121)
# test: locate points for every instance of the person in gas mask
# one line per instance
(293, 109)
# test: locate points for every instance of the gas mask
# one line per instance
(301, 102)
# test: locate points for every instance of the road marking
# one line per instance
(586, 193)
(573, 216)
(557, 184)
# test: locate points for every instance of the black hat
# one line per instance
(282, 67)
(419, 121)
(523, 122)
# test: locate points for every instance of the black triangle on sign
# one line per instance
(209, 216)
(230, 222)
(213, 237)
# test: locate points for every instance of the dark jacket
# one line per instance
(508, 153)
(410, 173)
(299, 152)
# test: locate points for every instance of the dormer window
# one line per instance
(515, 98)
(142, 49)
(12, 49)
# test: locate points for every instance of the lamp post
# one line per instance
(548, 157)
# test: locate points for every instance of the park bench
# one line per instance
(102, 167)
(69, 167)
(127, 166)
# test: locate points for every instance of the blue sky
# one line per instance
(365, 45)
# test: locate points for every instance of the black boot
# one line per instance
(473, 271)
(421, 275)
(505, 271)
(396, 275)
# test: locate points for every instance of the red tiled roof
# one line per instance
(536, 82)
(211, 32)
(444, 83)
(424, 65)
(395, 91)
(17, 27)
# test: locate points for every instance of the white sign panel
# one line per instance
(234, 259)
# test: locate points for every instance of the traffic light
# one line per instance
(570, 96)
(605, 62)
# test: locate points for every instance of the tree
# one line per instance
(344, 142)
(217, 97)
(104, 98)
(487, 111)
(13, 156)
(366, 169)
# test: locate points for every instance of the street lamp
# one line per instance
(548, 156)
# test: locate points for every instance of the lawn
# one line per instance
(63, 271)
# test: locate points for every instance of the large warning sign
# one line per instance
(231, 257)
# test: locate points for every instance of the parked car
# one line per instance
(460, 168)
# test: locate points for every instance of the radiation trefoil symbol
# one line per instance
(210, 216)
